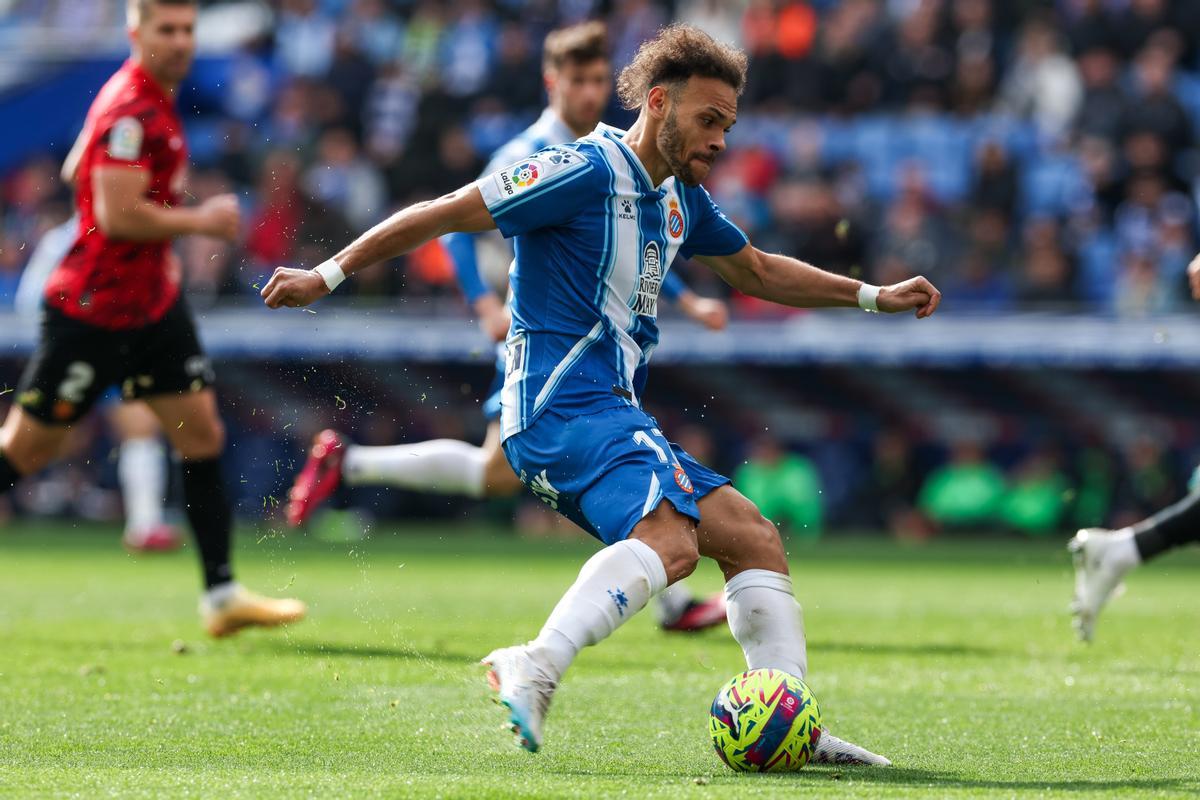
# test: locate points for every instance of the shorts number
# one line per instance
(79, 379)
(641, 437)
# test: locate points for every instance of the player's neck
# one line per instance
(642, 141)
(578, 132)
(169, 89)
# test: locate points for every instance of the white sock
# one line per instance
(444, 466)
(766, 621)
(613, 585)
(142, 470)
(1124, 552)
(219, 595)
(672, 602)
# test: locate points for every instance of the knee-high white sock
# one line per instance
(766, 621)
(672, 602)
(142, 471)
(444, 466)
(613, 585)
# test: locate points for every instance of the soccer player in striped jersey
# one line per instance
(578, 80)
(596, 223)
(1103, 557)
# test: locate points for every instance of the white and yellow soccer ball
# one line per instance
(765, 720)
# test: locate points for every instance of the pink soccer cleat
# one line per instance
(318, 479)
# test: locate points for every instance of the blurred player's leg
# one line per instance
(191, 422)
(142, 470)
(26, 445)
(1102, 557)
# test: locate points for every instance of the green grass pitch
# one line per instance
(956, 660)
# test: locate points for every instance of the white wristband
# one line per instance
(333, 275)
(868, 297)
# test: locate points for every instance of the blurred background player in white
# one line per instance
(584, 303)
(1103, 557)
(577, 75)
(142, 455)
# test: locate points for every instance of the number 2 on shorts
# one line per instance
(79, 379)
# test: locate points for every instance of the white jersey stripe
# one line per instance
(560, 371)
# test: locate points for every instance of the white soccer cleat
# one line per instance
(1100, 563)
(832, 750)
(524, 688)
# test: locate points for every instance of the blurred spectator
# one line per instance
(1043, 84)
(304, 38)
(964, 493)
(468, 49)
(1036, 500)
(1104, 107)
(342, 179)
(287, 227)
(785, 487)
(374, 31)
(1047, 278)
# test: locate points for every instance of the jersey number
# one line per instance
(79, 379)
(643, 438)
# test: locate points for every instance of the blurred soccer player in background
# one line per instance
(113, 310)
(1103, 557)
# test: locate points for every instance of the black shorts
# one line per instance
(76, 362)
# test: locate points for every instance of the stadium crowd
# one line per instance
(1023, 155)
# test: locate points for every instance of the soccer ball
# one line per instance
(765, 720)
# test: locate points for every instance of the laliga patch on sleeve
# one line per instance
(125, 139)
(523, 175)
(534, 170)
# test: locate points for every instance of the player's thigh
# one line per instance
(72, 365)
(191, 422)
(735, 534)
(171, 373)
(131, 419)
(499, 479)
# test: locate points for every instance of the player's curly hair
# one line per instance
(677, 53)
(576, 44)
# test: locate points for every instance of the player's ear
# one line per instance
(656, 101)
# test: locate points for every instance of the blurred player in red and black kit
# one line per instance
(114, 314)
(1103, 557)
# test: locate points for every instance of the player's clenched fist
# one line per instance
(219, 216)
(914, 293)
(293, 287)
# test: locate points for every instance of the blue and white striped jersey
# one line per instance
(548, 129)
(594, 240)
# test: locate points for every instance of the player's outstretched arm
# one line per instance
(462, 211)
(791, 282)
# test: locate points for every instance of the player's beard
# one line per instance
(673, 150)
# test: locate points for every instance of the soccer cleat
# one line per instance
(832, 750)
(155, 539)
(318, 479)
(242, 608)
(699, 615)
(523, 688)
(1098, 574)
